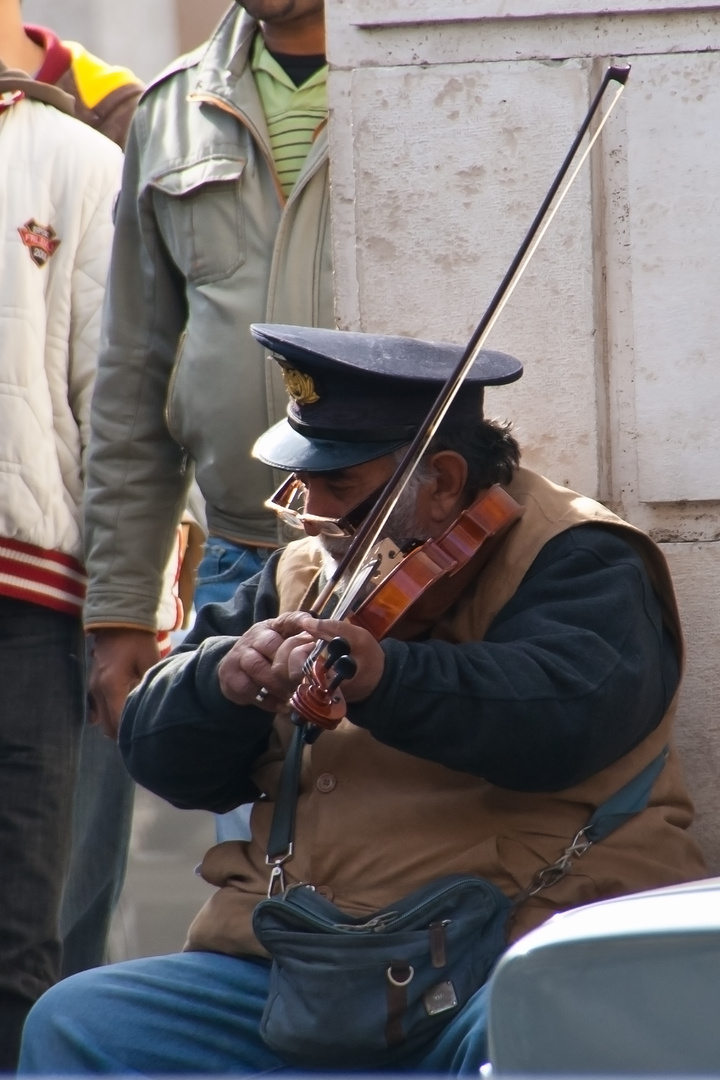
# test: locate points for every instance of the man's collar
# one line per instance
(262, 59)
(233, 39)
(57, 55)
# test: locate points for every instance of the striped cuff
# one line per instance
(48, 578)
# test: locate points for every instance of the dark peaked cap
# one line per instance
(356, 397)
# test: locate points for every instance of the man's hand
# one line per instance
(259, 661)
(120, 658)
(364, 649)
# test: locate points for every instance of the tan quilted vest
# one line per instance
(374, 823)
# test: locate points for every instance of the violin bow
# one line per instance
(351, 565)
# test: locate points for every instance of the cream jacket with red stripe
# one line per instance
(57, 174)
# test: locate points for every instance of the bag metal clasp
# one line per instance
(550, 875)
(277, 874)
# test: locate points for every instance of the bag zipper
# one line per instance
(380, 922)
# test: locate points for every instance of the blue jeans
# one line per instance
(223, 567)
(191, 1013)
(41, 713)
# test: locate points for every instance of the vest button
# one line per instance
(325, 782)
(325, 891)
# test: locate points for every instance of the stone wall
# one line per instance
(448, 124)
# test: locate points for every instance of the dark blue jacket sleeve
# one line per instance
(574, 671)
(179, 736)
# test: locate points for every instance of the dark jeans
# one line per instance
(104, 796)
(102, 819)
(41, 712)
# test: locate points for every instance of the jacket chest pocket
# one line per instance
(199, 209)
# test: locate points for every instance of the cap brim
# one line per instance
(284, 448)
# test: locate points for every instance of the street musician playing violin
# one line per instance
(478, 744)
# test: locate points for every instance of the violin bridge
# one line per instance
(385, 556)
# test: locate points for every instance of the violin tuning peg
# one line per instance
(344, 667)
(334, 650)
(311, 733)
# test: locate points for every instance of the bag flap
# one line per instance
(302, 907)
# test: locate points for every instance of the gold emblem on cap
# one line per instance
(299, 386)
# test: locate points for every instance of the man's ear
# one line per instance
(445, 491)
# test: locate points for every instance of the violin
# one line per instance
(430, 578)
(422, 586)
(434, 575)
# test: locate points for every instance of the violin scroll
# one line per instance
(317, 699)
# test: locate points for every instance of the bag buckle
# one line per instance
(277, 874)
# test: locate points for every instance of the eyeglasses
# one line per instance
(288, 502)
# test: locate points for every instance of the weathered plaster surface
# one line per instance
(442, 37)
(450, 166)
(696, 573)
(449, 122)
(374, 13)
(674, 202)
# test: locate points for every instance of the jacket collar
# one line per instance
(232, 81)
(58, 57)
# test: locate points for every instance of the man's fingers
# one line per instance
(291, 656)
(120, 658)
(241, 673)
(102, 716)
(364, 649)
(283, 679)
(267, 659)
(254, 665)
(263, 640)
(100, 709)
(245, 671)
(299, 622)
(108, 707)
(291, 623)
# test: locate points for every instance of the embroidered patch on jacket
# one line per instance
(8, 98)
(40, 240)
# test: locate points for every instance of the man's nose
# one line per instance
(318, 506)
(311, 528)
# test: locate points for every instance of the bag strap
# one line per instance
(282, 830)
(625, 803)
(630, 800)
(609, 816)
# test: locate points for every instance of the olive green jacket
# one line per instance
(205, 245)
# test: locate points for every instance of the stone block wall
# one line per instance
(448, 123)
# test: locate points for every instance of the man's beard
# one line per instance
(402, 526)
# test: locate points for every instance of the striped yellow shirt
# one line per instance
(293, 113)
